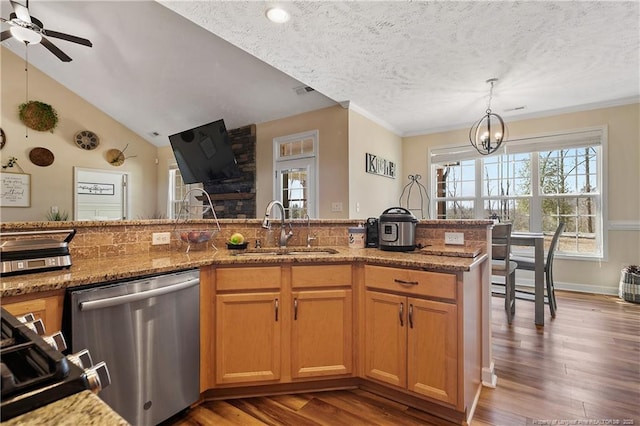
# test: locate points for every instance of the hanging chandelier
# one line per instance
(487, 134)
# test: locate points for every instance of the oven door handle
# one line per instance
(134, 297)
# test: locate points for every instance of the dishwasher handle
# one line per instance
(134, 297)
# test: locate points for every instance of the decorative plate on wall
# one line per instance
(86, 139)
(41, 157)
(115, 157)
(3, 138)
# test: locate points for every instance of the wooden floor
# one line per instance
(582, 368)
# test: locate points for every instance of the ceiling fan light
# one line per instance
(25, 35)
(277, 15)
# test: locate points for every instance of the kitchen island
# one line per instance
(348, 281)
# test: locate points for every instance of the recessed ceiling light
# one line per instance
(277, 15)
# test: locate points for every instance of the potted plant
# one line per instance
(57, 216)
(630, 283)
(38, 116)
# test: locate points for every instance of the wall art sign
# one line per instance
(380, 166)
(95, 188)
(15, 190)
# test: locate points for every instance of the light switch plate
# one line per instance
(456, 238)
(158, 238)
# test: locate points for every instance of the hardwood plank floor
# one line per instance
(582, 368)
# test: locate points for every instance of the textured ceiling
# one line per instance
(414, 67)
(420, 66)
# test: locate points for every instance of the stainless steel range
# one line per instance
(24, 253)
(34, 371)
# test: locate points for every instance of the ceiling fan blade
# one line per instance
(21, 11)
(53, 49)
(5, 35)
(68, 37)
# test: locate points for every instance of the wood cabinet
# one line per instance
(248, 330)
(46, 306)
(275, 324)
(248, 325)
(322, 321)
(411, 342)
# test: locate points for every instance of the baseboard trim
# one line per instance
(578, 288)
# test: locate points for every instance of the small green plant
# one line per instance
(57, 216)
(38, 116)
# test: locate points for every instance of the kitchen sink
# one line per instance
(291, 251)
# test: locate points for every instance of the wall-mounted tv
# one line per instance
(204, 153)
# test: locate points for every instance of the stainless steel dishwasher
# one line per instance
(147, 331)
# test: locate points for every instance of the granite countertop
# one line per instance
(92, 271)
(84, 408)
(88, 409)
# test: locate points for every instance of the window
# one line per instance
(535, 183)
(295, 169)
(177, 190)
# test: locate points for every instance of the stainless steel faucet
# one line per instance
(284, 236)
(309, 237)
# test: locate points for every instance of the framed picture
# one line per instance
(15, 190)
(91, 188)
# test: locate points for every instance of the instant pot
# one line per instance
(397, 230)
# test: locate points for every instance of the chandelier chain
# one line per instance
(490, 98)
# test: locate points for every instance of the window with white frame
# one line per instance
(295, 159)
(177, 190)
(535, 183)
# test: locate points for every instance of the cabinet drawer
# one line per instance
(321, 276)
(258, 278)
(419, 283)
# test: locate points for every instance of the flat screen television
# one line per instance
(204, 153)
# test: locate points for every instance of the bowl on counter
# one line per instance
(232, 246)
(195, 238)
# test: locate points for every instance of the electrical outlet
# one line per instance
(158, 238)
(336, 206)
(456, 238)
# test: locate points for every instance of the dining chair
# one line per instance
(528, 264)
(503, 265)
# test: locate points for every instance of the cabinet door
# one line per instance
(386, 338)
(321, 333)
(432, 349)
(248, 328)
(48, 308)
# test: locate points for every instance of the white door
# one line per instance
(100, 194)
(295, 189)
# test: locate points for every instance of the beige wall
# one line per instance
(53, 185)
(622, 190)
(333, 159)
(370, 195)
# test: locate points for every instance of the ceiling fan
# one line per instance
(30, 30)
